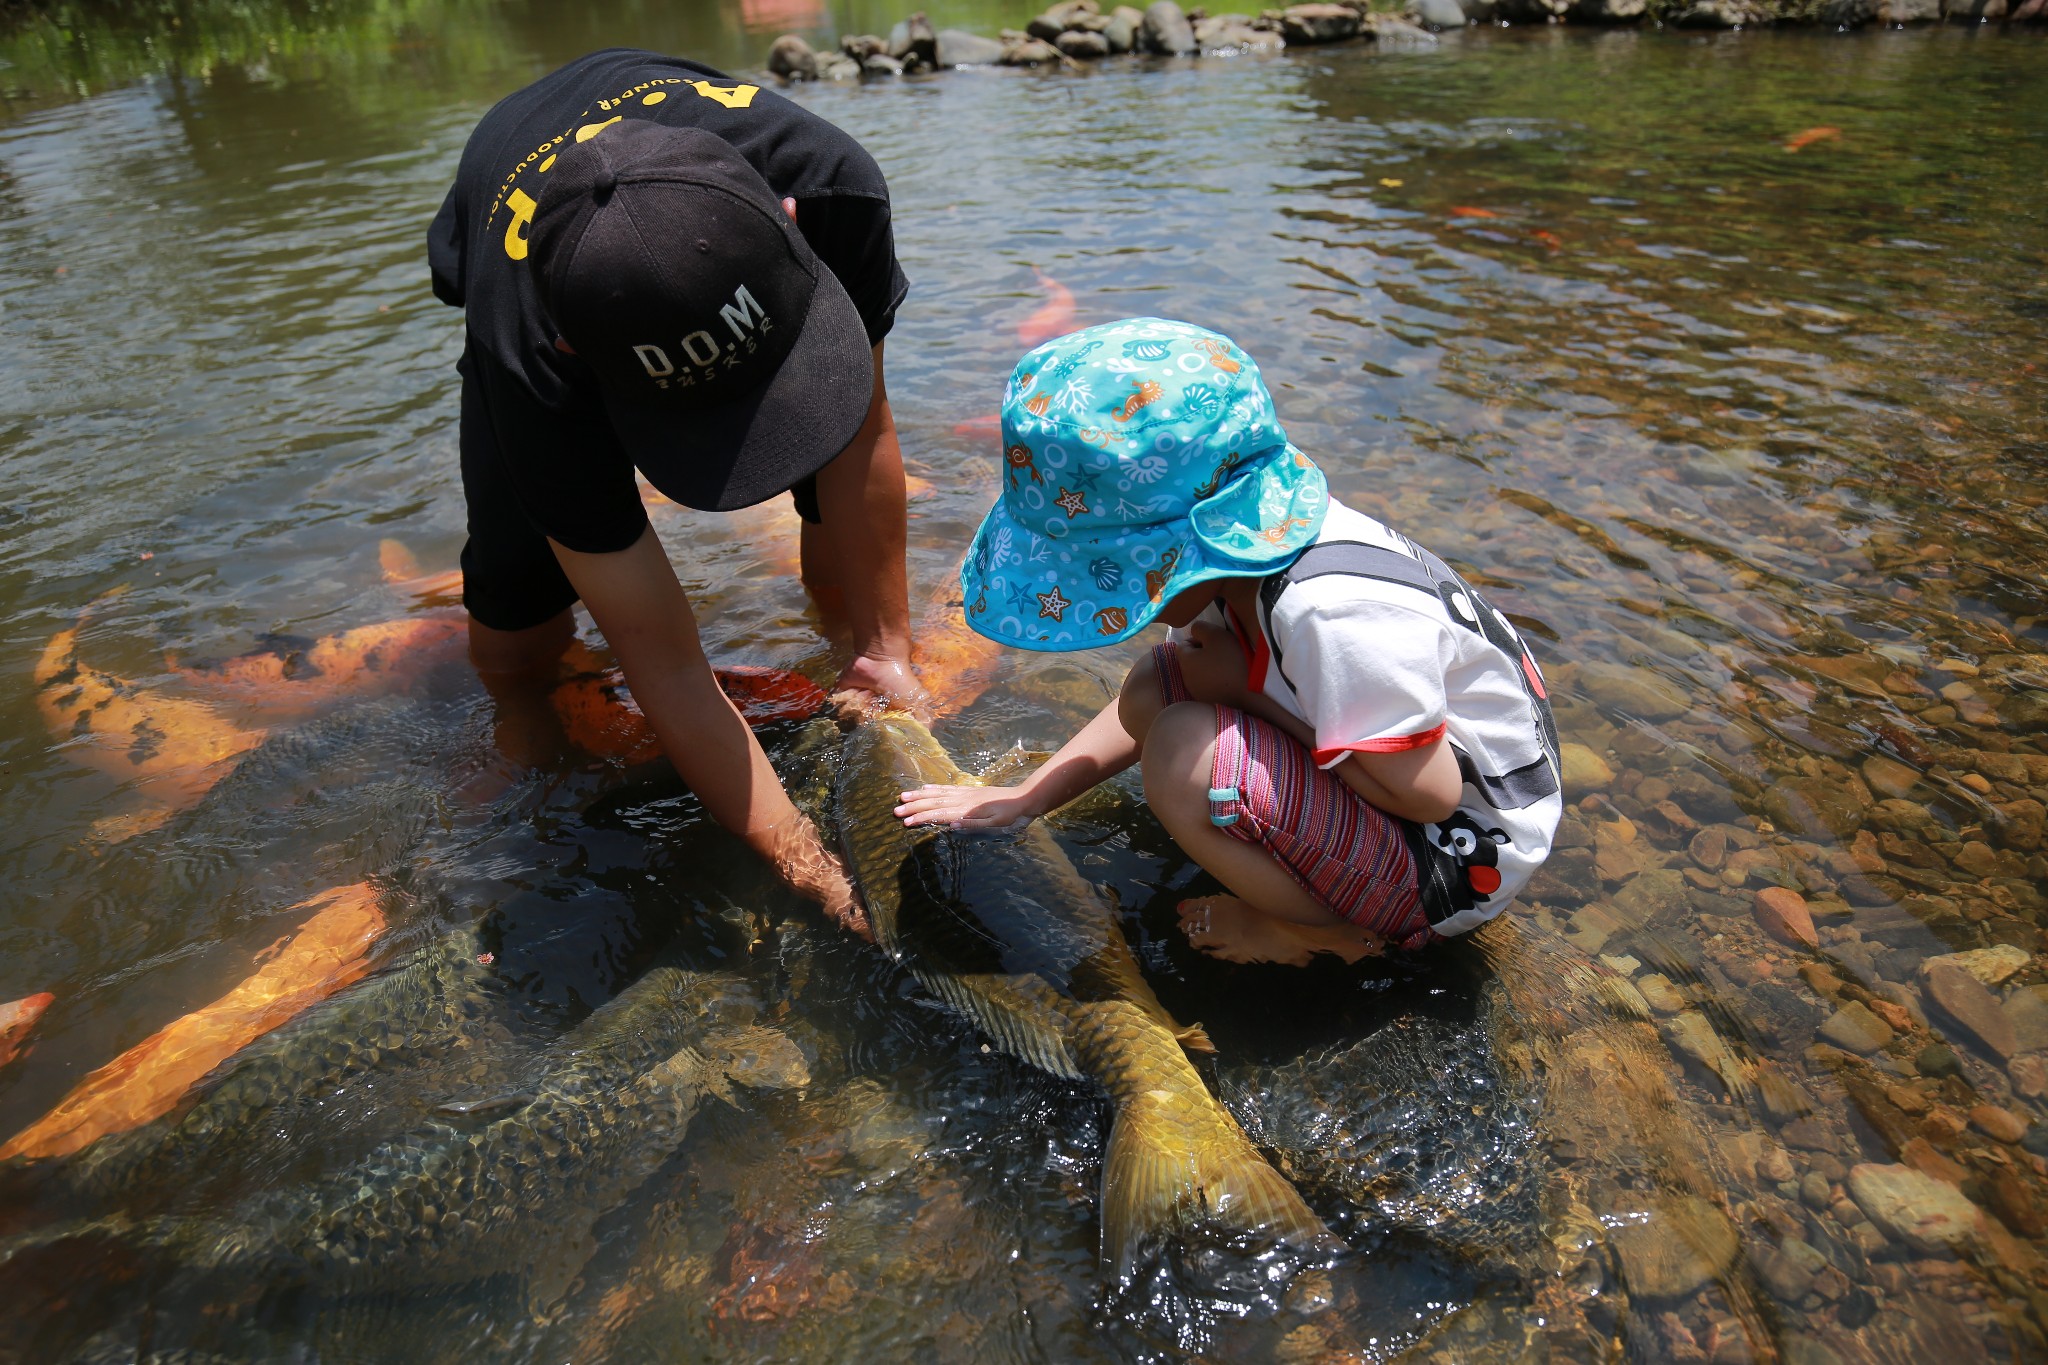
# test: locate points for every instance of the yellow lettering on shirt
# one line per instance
(522, 205)
(738, 97)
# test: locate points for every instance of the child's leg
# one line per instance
(1274, 915)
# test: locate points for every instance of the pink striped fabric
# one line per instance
(1347, 853)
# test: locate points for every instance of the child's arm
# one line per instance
(1101, 751)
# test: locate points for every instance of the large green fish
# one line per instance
(512, 1186)
(1002, 928)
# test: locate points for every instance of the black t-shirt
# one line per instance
(555, 447)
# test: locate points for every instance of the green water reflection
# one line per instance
(1749, 438)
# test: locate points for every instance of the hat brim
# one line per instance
(1085, 590)
(744, 452)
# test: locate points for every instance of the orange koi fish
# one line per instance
(17, 1017)
(385, 657)
(1549, 239)
(401, 570)
(329, 951)
(1464, 211)
(600, 717)
(1808, 136)
(1054, 318)
(954, 662)
(169, 749)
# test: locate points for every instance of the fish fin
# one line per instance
(398, 562)
(552, 1278)
(1194, 1038)
(1021, 1015)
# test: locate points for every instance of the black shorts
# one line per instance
(511, 579)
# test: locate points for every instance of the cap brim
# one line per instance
(741, 453)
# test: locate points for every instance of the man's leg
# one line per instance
(860, 547)
(1270, 917)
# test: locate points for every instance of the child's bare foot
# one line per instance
(1226, 927)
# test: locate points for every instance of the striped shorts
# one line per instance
(1265, 789)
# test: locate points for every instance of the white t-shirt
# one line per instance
(1380, 646)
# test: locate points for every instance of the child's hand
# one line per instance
(966, 807)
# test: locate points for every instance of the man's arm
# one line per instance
(646, 618)
(861, 499)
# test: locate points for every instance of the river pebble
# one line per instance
(1964, 999)
(1917, 1209)
(1855, 1029)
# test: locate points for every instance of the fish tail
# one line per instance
(1194, 1038)
(1176, 1159)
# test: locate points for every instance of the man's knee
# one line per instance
(1177, 757)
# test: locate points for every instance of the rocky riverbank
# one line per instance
(1076, 31)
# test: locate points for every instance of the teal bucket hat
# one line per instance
(1139, 458)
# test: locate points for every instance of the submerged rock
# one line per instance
(1619, 690)
(1783, 915)
(1685, 1244)
(1965, 1000)
(1926, 1213)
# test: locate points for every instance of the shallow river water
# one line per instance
(1751, 441)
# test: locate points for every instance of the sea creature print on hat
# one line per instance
(1139, 458)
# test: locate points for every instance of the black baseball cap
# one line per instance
(732, 363)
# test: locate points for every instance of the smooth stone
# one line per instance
(861, 46)
(1854, 1028)
(1167, 30)
(1437, 13)
(1784, 1279)
(1082, 44)
(960, 48)
(2029, 1076)
(1992, 966)
(1693, 1036)
(1888, 776)
(1964, 999)
(913, 38)
(1658, 896)
(1715, 14)
(1659, 994)
(1938, 1060)
(1030, 52)
(1479, 11)
(1782, 913)
(1917, 1209)
(791, 58)
(881, 64)
(1125, 27)
(1819, 806)
(1684, 1246)
(1608, 11)
(837, 66)
(1584, 770)
(1637, 692)
(1996, 1122)
(1303, 25)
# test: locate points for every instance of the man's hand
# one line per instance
(867, 683)
(967, 807)
(809, 870)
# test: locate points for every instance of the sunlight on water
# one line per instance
(1744, 430)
